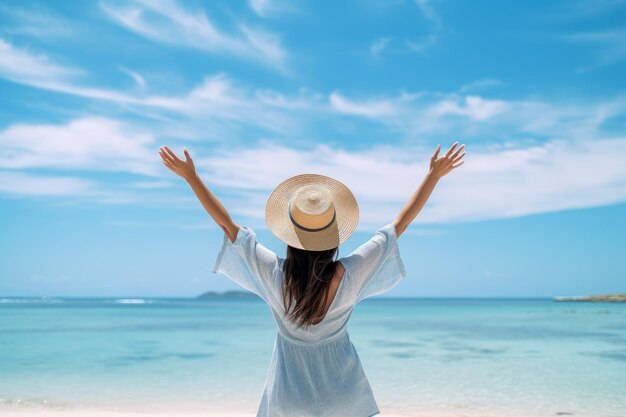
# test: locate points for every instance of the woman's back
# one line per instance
(316, 367)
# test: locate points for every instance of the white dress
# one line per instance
(315, 371)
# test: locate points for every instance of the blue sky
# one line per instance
(362, 91)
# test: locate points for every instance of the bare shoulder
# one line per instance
(340, 269)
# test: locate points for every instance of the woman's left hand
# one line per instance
(450, 161)
(184, 169)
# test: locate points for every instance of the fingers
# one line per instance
(167, 162)
(165, 156)
(169, 166)
(457, 159)
(458, 165)
(171, 154)
(451, 149)
(457, 151)
(436, 153)
(187, 156)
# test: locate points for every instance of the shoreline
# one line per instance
(83, 411)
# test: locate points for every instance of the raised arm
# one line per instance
(187, 171)
(438, 168)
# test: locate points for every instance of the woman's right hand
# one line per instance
(443, 165)
(184, 169)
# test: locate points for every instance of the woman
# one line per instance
(315, 369)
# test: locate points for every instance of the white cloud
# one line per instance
(165, 21)
(219, 108)
(481, 85)
(261, 7)
(558, 175)
(494, 182)
(503, 179)
(23, 184)
(23, 66)
(149, 185)
(473, 107)
(379, 45)
(371, 108)
(397, 44)
(303, 100)
(267, 43)
(207, 225)
(95, 144)
(35, 22)
(431, 116)
(78, 191)
(584, 9)
(208, 107)
(272, 8)
(609, 46)
(38, 70)
(137, 78)
(421, 45)
(427, 109)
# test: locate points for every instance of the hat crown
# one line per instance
(314, 197)
(312, 207)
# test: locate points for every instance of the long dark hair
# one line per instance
(308, 275)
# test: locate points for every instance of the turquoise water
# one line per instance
(502, 356)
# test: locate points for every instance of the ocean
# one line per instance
(501, 357)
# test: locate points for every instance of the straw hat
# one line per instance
(312, 212)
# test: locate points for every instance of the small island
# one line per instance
(609, 298)
(210, 295)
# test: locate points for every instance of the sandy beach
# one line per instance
(10, 412)
(88, 412)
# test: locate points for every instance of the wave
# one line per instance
(31, 301)
(132, 301)
(75, 301)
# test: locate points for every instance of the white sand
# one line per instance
(40, 412)
(103, 413)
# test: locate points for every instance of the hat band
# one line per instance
(306, 229)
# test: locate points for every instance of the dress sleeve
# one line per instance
(247, 262)
(375, 267)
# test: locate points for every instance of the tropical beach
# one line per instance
(173, 172)
(457, 357)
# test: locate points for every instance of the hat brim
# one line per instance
(281, 226)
